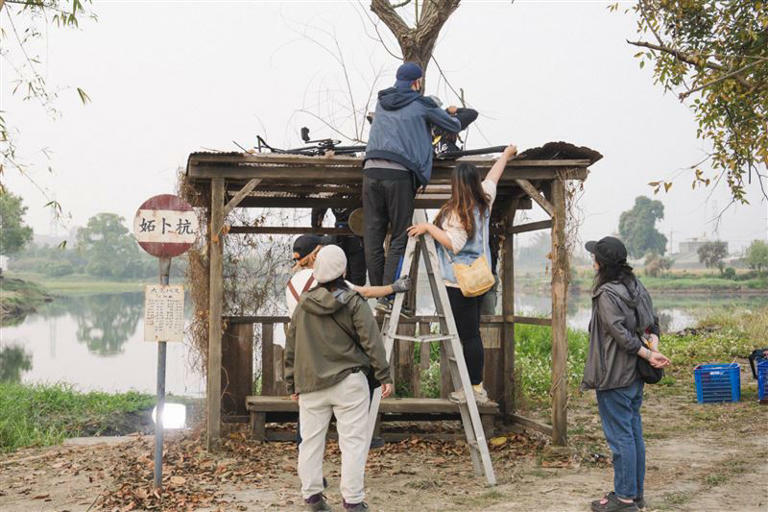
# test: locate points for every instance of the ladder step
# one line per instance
(422, 339)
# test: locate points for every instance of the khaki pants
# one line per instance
(348, 401)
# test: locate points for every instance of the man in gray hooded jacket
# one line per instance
(398, 160)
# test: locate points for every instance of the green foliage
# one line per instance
(757, 255)
(637, 227)
(656, 266)
(711, 254)
(533, 360)
(111, 252)
(716, 53)
(14, 235)
(730, 273)
(28, 24)
(44, 415)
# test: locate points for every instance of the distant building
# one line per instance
(691, 246)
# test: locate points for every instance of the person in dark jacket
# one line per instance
(611, 370)
(351, 244)
(333, 341)
(398, 160)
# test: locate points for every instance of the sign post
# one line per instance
(165, 226)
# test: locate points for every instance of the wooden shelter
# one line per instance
(286, 181)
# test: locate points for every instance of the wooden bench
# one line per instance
(283, 409)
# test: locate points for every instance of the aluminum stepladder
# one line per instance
(470, 416)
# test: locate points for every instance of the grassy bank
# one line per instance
(18, 298)
(45, 415)
(723, 335)
(77, 284)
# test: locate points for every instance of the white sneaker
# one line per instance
(458, 396)
(481, 397)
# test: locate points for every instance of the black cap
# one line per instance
(608, 249)
(304, 245)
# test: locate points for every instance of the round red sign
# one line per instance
(165, 226)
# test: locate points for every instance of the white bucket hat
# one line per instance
(330, 264)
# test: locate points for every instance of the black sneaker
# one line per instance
(356, 507)
(613, 504)
(317, 503)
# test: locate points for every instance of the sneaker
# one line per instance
(458, 396)
(481, 397)
(356, 507)
(384, 305)
(376, 443)
(640, 502)
(611, 503)
(317, 503)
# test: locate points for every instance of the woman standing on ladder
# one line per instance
(461, 228)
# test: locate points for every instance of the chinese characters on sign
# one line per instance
(166, 226)
(163, 312)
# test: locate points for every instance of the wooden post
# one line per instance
(446, 383)
(559, 390)
(215, 299)
(424, 355)
(267, 360)
(508, 312)
(237, 363)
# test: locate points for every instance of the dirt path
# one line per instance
(700, 458)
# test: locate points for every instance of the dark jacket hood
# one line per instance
(618, 289)
(320, 301)
(395, 98)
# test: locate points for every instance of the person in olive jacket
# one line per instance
(332, 344)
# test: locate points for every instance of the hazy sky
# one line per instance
(169, 78)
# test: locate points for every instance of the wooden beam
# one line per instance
(357, 163)
(349, 175)
(531, 226)
(532, 424)
(559, 391)
(247, 189)
(292, 230)
(484, 319)
(508, 310)
(536, 196)
(215, 299)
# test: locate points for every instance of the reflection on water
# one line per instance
(104, 323)
(13, 360)
(96, 343)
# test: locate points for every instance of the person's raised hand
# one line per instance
(386, 390)
(510, 151)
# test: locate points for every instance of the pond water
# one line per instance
(96, 342)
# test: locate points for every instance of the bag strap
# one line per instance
(307, 286)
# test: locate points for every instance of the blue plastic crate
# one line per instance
(762, 380)
(718, 382)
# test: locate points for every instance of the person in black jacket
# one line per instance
(616, 340)
(352, 245)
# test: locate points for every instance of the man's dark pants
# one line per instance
(387, 200)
